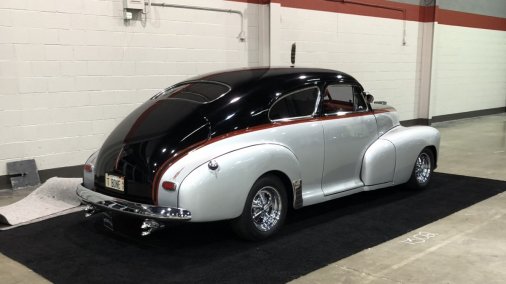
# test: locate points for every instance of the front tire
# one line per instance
(422, 171)
(264, 211)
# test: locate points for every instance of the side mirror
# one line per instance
(369, 98)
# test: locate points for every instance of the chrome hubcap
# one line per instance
(422, 168)
(266, 208)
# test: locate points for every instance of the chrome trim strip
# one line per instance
(102, 202)
(343, 191)
(298, 202)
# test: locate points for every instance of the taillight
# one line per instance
(169, 186)
(88, 168)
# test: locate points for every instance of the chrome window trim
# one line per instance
(191, 82)
(317, 103)
(339, 113)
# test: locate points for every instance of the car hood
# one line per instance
(144, 140)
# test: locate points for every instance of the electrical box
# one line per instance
(133, 4)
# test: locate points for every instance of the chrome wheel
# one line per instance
(423, 168)
(266, 208)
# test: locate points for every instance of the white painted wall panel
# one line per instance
(368, 48)
(469, 70)
(70, 70)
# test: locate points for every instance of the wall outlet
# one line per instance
(133, 4)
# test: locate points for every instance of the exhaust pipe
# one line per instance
(149, 226)
(90, 210)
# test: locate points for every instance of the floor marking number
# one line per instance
(419, 238)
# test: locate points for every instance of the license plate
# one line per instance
(115, 182)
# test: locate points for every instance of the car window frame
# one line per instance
(354, 87)
(315, 110)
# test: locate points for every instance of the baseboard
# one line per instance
(468, 114)
(453, 116)
(67, 172)
(418, 121)
(5, 182)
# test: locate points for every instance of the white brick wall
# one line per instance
(70, 70)
(368, 48)
(469, 71)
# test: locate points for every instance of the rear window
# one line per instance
(201, 92)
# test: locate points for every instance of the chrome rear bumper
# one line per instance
(99, 202)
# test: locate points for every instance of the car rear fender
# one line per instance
(408, 143)
(220, 194)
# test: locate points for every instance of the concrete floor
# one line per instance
(9, 196)
(466, 247)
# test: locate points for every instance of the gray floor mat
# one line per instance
(54, 196)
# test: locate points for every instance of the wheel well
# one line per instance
(286, 182)
(434, 152)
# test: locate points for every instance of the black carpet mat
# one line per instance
(71, 249)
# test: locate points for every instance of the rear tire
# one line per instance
(422, 171)
(264, 211)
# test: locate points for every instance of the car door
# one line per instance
(302, 133)
(349, 129)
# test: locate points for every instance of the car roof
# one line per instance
(240, 77)
(254, 90)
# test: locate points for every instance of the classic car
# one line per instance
(247, 145)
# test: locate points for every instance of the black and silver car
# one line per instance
(248, 145)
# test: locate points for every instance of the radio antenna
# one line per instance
(292, 55)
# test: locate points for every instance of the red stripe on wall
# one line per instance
(454, 18)
(253, 1)
(412, 12)
(389, 10)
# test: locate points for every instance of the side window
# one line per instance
(300, 103)
(342, 98)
